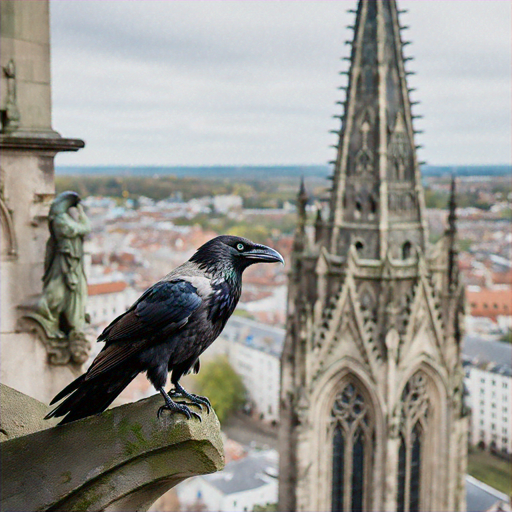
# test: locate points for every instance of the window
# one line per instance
(406, 250)
(505, 385)
(414, 422)
(493, 426)
(352, 448)
(481, 422)
(493, 382)
(482, 380)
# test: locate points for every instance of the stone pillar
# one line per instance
(28, 145)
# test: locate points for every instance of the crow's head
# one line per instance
(227, 252)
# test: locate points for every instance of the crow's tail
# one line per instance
(89, 397)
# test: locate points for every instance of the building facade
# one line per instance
(371, 410)
(254, 350)
(488, 370)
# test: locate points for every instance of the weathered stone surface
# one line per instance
(21, 414)
(123, 459)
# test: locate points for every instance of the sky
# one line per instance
(232, 82)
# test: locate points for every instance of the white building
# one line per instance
(107, 301)
(240, 486)
(488, 366)
(254, 350)
(225, 203)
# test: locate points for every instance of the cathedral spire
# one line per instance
(377, 198)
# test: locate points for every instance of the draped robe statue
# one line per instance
(61, 309)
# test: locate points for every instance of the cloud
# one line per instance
(253, 82)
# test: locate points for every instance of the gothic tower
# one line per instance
(371, 385)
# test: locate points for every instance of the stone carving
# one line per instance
(349, 408)
(398, 150)
(415, 402)
(364, 160)
(11, 114)
(9, 242)
(60, 312)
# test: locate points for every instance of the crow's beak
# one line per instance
(262, 253)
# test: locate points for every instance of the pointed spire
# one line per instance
(377, 186)
(300, 233)
(452, 206)
(319, 224)
(451, 233)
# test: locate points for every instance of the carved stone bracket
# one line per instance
(61, 349)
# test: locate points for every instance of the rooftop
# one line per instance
(496, 355)
(110, 287)
(255, 470)
(481, 497)
(256, 335)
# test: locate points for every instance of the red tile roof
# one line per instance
(111, 287)
(490, 303)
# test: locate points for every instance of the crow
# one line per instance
(166, 330)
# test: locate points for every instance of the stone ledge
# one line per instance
(122, 459)
(28, 143)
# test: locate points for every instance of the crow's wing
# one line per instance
(166, 306)
(160, 311)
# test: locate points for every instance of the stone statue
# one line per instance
(61, 309)
(11, 115)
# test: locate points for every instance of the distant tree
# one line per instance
(269, 507)
(507, 337)
(218, 381)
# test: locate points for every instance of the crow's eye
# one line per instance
(240, 247)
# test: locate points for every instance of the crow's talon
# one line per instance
(195, 399)
(179, 408)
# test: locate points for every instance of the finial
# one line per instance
(452, 206)
(302, 189)
(299, 241)
(319, 224)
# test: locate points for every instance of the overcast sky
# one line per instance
(255, 82)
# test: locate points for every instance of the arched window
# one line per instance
(406, 250)
(415, 409)
(352, 448)
(359, 247)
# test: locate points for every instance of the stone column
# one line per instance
(28, 144)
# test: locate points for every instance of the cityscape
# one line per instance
(372, 371)
(136, 239)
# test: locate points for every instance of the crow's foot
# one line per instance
(175, 407)
(179, 391)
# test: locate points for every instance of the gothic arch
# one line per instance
(422, 447)
(344, 401)
(9, 244)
